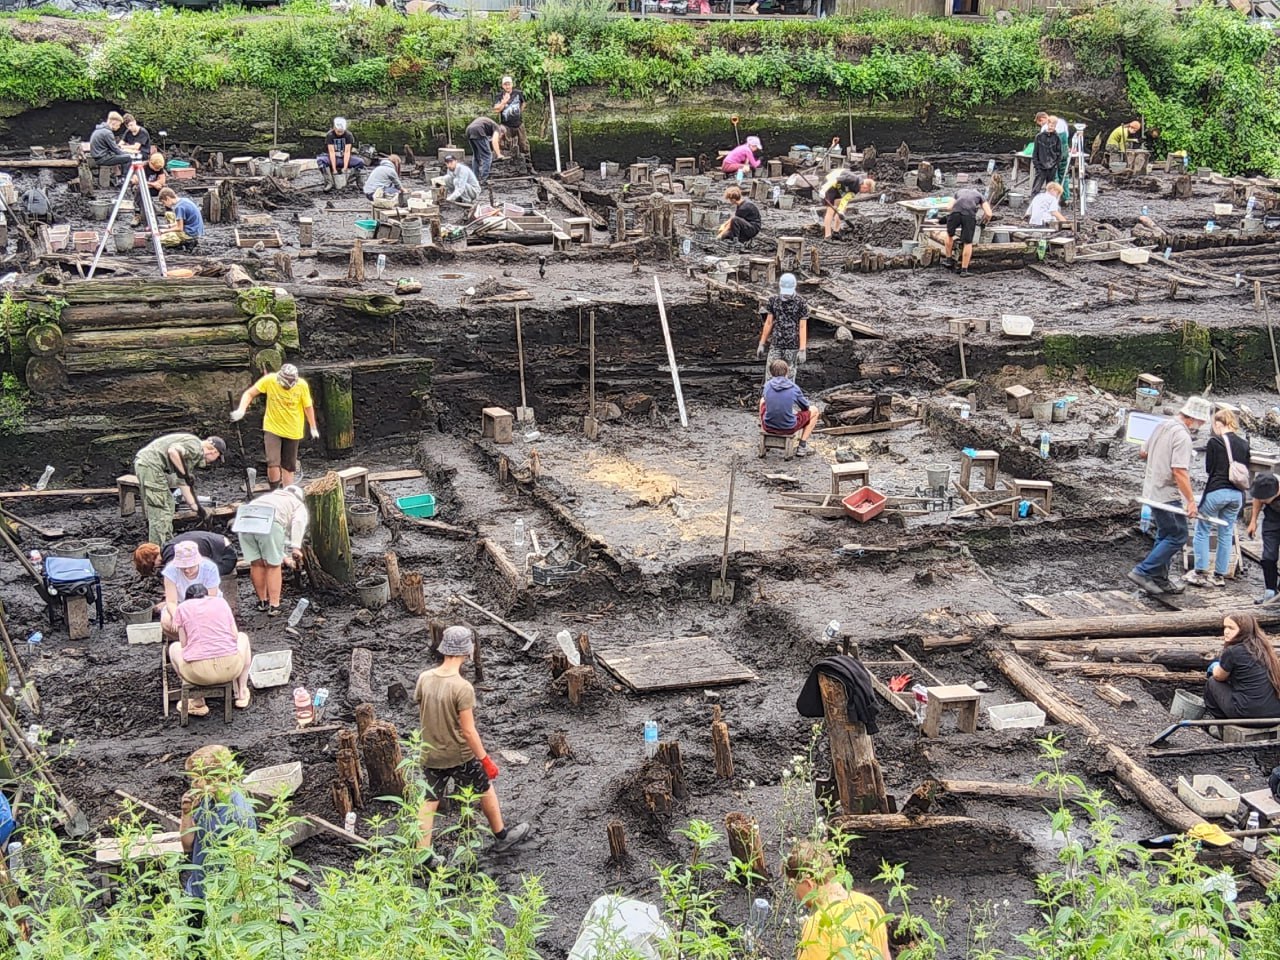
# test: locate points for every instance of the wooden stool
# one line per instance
(1261, 463)
(1018, 400)
(186, 691)
(662, 181)
(638, 173)
(759, 190)
(128, 489)
(496, 423)
(560, 241)
(685, 165)
(990, 464)
(960, 699)
(1033, 490)
(1264, 802)
(762, 270)
(788, 247)
(774, 441)
(1151, 381)
(857, 473)
(685, 204)
(775, 168)
(357, 477)
(578, 228)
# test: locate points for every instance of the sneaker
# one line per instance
(1170, 586)
(803, 450)
(514, 835)
(1199, 578)
(949, 262)
(273, 611)
(1217, 579)
(1146, 583)
(1268, 596)
(263, 606)
(964, 272)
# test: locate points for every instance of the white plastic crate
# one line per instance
(283, 778)
(1010, 716)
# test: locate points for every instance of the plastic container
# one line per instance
(1250, 844)
(281, 780)
(1013, 716)
(937, 475)
(177, 165)
(1207, 795)
(650, 738)
(136, 611)
(366, 228)
(864, 504)
(362, 517)
(295, 618)
(1042, 411)
(144, 633)
(1186, 705)
(1016, 325)
(422, 505)
(1222, 209)
(374, 592)
(1059, 411)
(303, 711)
(272, 669)
(1135, 255)
(44, 478)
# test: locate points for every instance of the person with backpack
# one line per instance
(1264, 493)
(1226, 461)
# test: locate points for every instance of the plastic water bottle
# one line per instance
(1250, 844)
(650, 738)
(34, 641)
(739, 176)
(884, 198)
(921, 694)
(991, 166)
(1168, 252)
(1144, 209)
(1145, 520)
(15, 859)
(295, 618)
(303, 711)
(604, 170)
(1044, 444)
(33, 735)
(757, 917)
(685, 246)
(517, 536)
(382, 264)
(832, 631)
(1248, 207)
(937, 178)
(570, 649)
(1208, 226)
(321, 698)
(349, 823)
(1239, 278)
(44, 478)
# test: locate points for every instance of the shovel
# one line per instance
(1271, 334)
(524, 412)
(76, 823)
(1235, 722)
(590, 425)
(722, 589)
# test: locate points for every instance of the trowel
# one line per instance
(250, 481)
(723, 588)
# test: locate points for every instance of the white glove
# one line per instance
(315, 434)
(237, 414)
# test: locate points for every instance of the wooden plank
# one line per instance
(55, 163)
(70, 492)
(674, 664)
(108, 850)
(387, 476)
(866, 427)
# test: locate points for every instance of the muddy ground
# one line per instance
(645, 505)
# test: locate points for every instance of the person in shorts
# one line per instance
(280, 546)
(1264, 491)
(784, 410)
(786, 327)
(289, 412)
(962, 218)
(210, 651)
(838, 190)
(451, 747)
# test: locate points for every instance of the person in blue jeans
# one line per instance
(1221, 499)
(1168, 481)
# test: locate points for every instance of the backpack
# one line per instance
(1237, 473)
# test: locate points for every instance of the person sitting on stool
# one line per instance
(744, 223)
(210, 651)
(187, 568)
(104, 151)
(784, 410)
(339, 154)
(1244, 682)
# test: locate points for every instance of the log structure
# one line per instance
(746, 847)
(859, 782)
(380, 750)
(337, 410)
(130, 325)
(328, 527)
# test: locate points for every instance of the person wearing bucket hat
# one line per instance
(166, 464)
(452, 749)
(187, 568)
(267, 552)
(1168, 481)
(786, 327)
(290, 411)
(1264, 492)
(743, 157)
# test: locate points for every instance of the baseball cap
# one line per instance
(339, 123)
(457, 642)
(754, 142)
(220, 445)
(1264, 486)
(1197, 408)
(296, 492)
(287, 375)
(787, 284)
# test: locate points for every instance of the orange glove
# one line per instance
(899, 683)
(490, 768)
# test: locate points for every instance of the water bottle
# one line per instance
(349, 823)
(1044, 444)
(15, 859)
(937, 178)
(295, 618)
(1208, 226)
(518, 535)
(757, 917)
(1239, 278)
(1250, 844)
(1144, 209)
(650, 738)
(921, 694)
(44, 478)
(739, 176)
(1145, 520)
(303, 712)
(11, 693)
(36, 558)
(382, 264)
(321, 698)
(964, 411)
(34, 641)
(604, 170)
(33, 735)
(1186, 162)
(991, 167)
(685, 246)
(884, 198)
(1168, 252)
(1248, 207)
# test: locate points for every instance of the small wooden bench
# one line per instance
(185, 691)
(987, 460)
(357, 477)
(960, 699)
(775, 441)
(857, 473)
(578, 228)
(496, 424)
(128, 489)
(1033, 490)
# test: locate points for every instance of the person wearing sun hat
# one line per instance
(452, 749)
(266, 553)
(1168, 481)
(745, 156)
(289, 412)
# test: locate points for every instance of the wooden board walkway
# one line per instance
(673, 664)
(1075, 604)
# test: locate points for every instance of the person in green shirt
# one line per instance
(1118, 142)
(166, 464)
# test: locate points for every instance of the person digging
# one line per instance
(289, 411)
(962, 218)
(339, 157)
(451, 745)
(166, 464)
(266, 553)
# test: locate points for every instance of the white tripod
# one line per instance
(135, 174)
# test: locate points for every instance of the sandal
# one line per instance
(200, 711)
(241, 704)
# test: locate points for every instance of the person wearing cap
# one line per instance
(186, 569)
(485, 137)
(280, 546)
(784, 409)
(339, 153)
(786, 327)
(149, 558)
(459, 182)
(844, 923)
(1225, 454)
(962, 218)
(166, 464)
(745, 156)
(214, 810)
(451, 745)
(1168, 481)
(104, 151)
(157, 178)
(509, 107)
(744, 223)
(838, 191)
(210, 650)
(1265, 492)
(289, 413)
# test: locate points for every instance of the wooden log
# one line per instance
(1130, 625)
(411, 594)
(720, 746)
(44, 339)
(355, 266)
(500, 560)
(264, 329)
(45, 375)
(223, 356)
(134, 290)
(359, 682)
(586, 656)
(348, 763)
(657, 796)
(1182, 651)
(380, 750)
(1007, 791)
(558, 745)
(617, 834)
(85, 174)
(126, 316)
(392, 564)
(342, 800)
(924, 176)
(1113, 695)
(866, 823)
(1144, 671)
(328, 527)
(338, 410)
(935, 642)
(477, 658)
(859, 781)
(148, 339)
(578, 680)
(746, 847)
(267, 360)
(559, 664)
(669, 756)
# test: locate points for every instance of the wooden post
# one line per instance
(477, 661)
(578, 680)
(392, 563)
(380, 749)
(437, 634)
(359, 685)
(338, 409)
(720, 745)
(924, 176)
(746, 846)
(617, 841)
(328, 527)
(559, 664)
(558, 745)
(411, 594)
(86, 179)
(586, 656)
(669, 756)
(349, 767)
(306, 232)
(355, 269)
(856, 771)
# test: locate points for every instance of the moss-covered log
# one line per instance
(337, 410)
(123, 316)
(267, 360)
(45, 375)
(289, 334)
(156, 339)
(330, 540)
(264, 329)
(130, 290)
(170, 358)
(44, 339)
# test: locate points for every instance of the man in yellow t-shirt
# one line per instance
(844, 923)
(289, 412)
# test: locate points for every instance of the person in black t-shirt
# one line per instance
(485, 137)
(744, 223)
(136, 137)
(1221, 499)
(1264, 492)
(509, 106)
(1244, 682)
(339, 153)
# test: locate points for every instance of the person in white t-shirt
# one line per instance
(1044, 207)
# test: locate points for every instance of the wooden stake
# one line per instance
(411, 594)
(586, 656)
(669, 756)
(437, 634)
(330, 541)
(558, 746)
(578, 679)
(392, 563)
(380, 749)
(617, 841)
(359, 685)
(745, 846)
(338, 408)
(349, 767)
(355, 269)
(720, 745)
(855, 769)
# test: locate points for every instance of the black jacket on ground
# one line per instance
(857, 684)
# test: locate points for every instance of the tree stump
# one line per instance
(868, 157)
(559, 664)
(392, 563)
(355, 267)
(1182, 187)
(86, 179)
(341, 798)
(349, 767)
(904, 153)
(558, 745)
(669, 756)
(437, 634)
(859, 782)
(924, 176)
(720, 745)
(657, 793)
(338, 408)
(998, 191)
(380, 749)
(617, 841)
(746, 846)
(578, 679)
(330, 541)
(227, 201)
(586, 656)
(411, 594)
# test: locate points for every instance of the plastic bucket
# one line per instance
(937, 475)
(1042, 412)
(1147, 397)
(104, 560)
(1186, 705)
(411, 231)
(362, 517)
(101, 209)
(373, 592)
(136, 611)
(76, 549)
(1059, 411)
(122, 236)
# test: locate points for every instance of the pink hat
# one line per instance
(186, 554)
(754, 142)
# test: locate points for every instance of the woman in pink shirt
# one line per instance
(210, 650)
(743, 156)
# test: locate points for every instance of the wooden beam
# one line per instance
(1130, 625)
(866, 427)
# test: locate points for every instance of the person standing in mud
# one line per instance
(1168, 481)
(485, 138)
(962, 219)
(289, 411)
(838, 190)
(1046, 152)
(509, 106)
(786, 328)
(166, 464)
